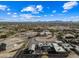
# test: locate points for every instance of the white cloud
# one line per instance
(54, 11)
(8, 9)
(14, 16)
(64, 11)
(71, 18)
(15, 13)
(8, 13)
(69, 5)
(45, 15)
(39, 7)
(51, 15)
(3, 7)
(29, 8)
(33, 9)
(28, 16)
(74, 18)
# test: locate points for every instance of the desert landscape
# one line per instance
(39, 40)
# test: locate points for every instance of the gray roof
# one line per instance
(66, 45)
(68, 35)
(58, 48)
(77, 48)
(32, 47)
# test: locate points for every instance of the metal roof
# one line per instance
(66, 45)
(58, 41)
(77, 48)
(32, 47)
(58, 48)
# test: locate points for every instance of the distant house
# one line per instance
(76, 49)
(68, 36)
(67, 46)
(59, 42)
(58, 48)
(45, 46)
(45, 33)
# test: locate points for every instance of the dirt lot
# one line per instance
(73, 55)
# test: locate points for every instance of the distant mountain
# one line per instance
(39, 22)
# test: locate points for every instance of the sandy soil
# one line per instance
(73, 55)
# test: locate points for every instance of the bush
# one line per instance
(3, 36)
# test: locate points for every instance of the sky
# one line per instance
(23, 11)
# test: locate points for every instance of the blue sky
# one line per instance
(21, 11)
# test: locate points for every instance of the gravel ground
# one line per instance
(73, 55)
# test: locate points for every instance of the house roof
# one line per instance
(58, 48)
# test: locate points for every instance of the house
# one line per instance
(45, 33)
(67, 46)
(45, 46)
(32, 47)
(76, 49)
(68, 36)
(58, 48)
(57, 51)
